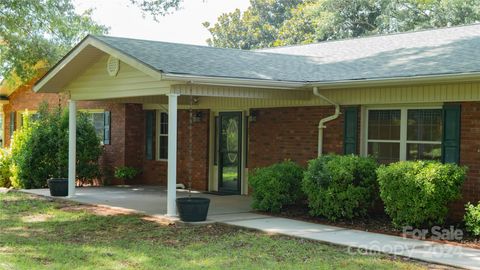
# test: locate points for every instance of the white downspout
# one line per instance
(321, 124)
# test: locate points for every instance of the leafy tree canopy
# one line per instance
(307, 21)
(257, 27)
(35, 34)
(157, 8)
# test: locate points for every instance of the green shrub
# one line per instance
(5, 163)
(40, 149)
(126, 173)
(276, 186)
(416, 193)
(340, 186)
(472, 218)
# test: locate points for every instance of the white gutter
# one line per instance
(321, 124)
(467, 76)
(224, 81)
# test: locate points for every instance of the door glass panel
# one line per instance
(229, 152)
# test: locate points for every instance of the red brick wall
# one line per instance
(200, 139)
(154, 171)
(292, 133)
(114, 154)
(469, 156)
(24, 99)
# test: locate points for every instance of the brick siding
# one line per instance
(469, 156)
(292, 133)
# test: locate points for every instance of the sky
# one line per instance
(182, 26)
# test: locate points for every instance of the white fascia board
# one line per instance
(473, 76)
(54, 71)
(103, 47)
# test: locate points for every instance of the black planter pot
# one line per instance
(193, 209)
(58, 187)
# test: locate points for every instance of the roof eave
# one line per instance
(92, 41)
(229, 81)
(424, 79)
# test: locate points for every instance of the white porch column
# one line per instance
(72, 146)
(172, 155)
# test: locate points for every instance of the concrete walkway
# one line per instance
(368, 243)
(235, 210)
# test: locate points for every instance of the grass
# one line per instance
(37, 233)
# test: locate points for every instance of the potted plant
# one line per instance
(126, 173)
(192, 209)
(58, 185)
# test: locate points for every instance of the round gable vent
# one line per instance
(113, 65)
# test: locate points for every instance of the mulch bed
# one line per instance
(378, 223)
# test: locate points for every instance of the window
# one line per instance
(163, 136)
(98, 121)
(101, 121)
(33, 116)
(2, 120)
(404, 134)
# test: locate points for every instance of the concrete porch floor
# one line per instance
(152, 200)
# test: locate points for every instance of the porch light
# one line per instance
(253, 116)
(197, 117)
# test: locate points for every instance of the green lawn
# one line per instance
(37, 233)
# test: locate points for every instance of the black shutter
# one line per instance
(12, 123)
(247, 139)
(350, 131)
(149, 116)
(451, 133)
(106, 129)
(216, 138)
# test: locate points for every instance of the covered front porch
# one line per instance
(152, 200)
(160, 108)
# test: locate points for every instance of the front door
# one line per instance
(230, 152)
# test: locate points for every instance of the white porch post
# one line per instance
(172, 155)
(72, 146)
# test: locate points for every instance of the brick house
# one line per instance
(397, 97)
(22, 100)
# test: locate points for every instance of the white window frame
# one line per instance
(2, 130)
(20, 114)
(403, 128)
(158, 134)
(92, 111)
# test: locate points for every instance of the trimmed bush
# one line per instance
(276, 186)
(40, 149)
(416, 193)
(126, 172)
(5, 163)
(340, 186)
(472, 218)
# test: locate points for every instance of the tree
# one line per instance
(257, 27)
(320, 20)
(40, 149)
(35, 34)
(156, 8)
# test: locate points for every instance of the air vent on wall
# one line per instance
(113, 65)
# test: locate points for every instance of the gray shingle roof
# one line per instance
(433, 52)
(216, 62)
